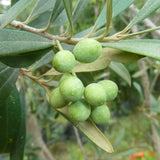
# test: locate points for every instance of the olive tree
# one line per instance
(29, 45)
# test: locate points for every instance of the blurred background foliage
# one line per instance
(128, 130)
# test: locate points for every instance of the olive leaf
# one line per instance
(101, 63)
(80, 6)
(118, 7)
(13, 12)
(25, 60)
(8, 78)
(89, 129)
(13, 127)
(120, 55)
(15, 42)
(108, 55)
(68, 8)
(149, 7)
(58, 8)
(41, 7)
(121, 70)
(44, 60)
(13, 2)
(144, 47)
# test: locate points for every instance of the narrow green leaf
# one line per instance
(149, 7)
(141, 72)
(61, 19)
(121, 70)
(126, 153)
(83, 33)
(18, 149)
(8, 78)
(139, 90)
(81, 5)
(10, 121)
(14, 42)
(24, 60)
(109, 15)
(42, 7)
(145, 47)
(41, 21)
(120, 56)
(95, 135)
(155, 104)
(13, 12)
(118, 7)
(153, 101)
(119, 138)
(58, 8)
(158, 102)
(13, 2)
(68, 8)
(89, 129)
(2, 66)
(101, 63)
(86, 77)
(44, 60)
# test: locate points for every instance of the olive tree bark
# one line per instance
(33, 128)
(147, 103)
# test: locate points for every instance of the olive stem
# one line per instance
(73, 73)
(59, 45)
(35, 79)
(108, 19)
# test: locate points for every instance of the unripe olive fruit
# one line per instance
(100, 115)
(66, 75)
(111, 89)
(95, 94)
(79, 110)
(64, 61)
(56, 100)
(72, 88)
(87, 50)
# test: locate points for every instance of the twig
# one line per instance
(20, 25)
(59, 45)
(79, 142)
(35, 79)
(155, 79)
(73, 41)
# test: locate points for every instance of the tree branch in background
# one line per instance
(147, 102)
(155, 79)
(80, 143)
(33, 128)
(148, 23)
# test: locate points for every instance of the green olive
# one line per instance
(72, 88)
(87, 50)
(66, 75)
(64, 61)
(111, 89)
(100, 115)
(95, 94)
(79, 110)
(56, 100)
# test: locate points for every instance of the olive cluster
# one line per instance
(83, 102)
